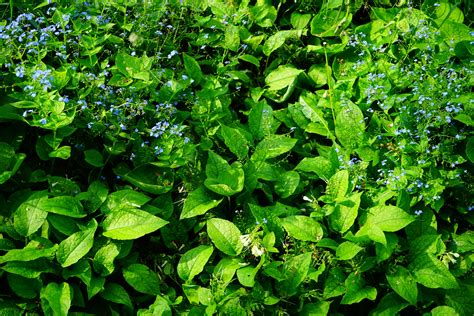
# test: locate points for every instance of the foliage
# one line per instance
(236, 157)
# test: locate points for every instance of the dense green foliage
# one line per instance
(236, 157)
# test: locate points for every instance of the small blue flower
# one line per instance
(43, 121)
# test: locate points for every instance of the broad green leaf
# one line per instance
(232, 38)
(299, 21)
(225, 236)
(95, 196)
(197, 203)
(390, 304)
(95, 285)
(347, 250)
(444, 311)
(130, 223)
(149, 178)
(29, 269)
(235, 141)
(248, 58)
(193, 261)
(30, 216)
(318, 165)
(142, 279)
(350, 126)
(81, 270)
(345, 213)
(160, 307)
(287, 183)
(38, 248)
(114, 292)
(104, 259)
(432, 273)
(225, 269)
(134, 67)
(192, 68)
(334, 283)
(302, 227)
(316, 309)
(338, 184)
(470, 149)
(282, 77)
(94, 158)
(23, 287)
(222, 178)
(356, 291)
(64, 224)
(246, 275)
(124, 198)
(63, 205)
(77, 245)
(273, 146)
(388, 218)
(261, 120)
(276, 40)
(330, 22)
(295, 270)
(403, 283)
(56, 299)
(63, 152)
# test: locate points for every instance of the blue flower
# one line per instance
(43, 121)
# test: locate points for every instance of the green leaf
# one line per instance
(130, 223)
(470, 149)
(350, 126)
(388, 218)
(38, 248)
(248, 58)
(23, 287)
(232, 38)
(276, 40)
(390, 304)
(295, 270)
(56, 299)
(235, 141)
(134, 67)
(63, 205)
(63, 152)
(29, 269)
(94, 158)
(142, 279)
(444, 311)
(114, 292)
(330, 22)
(197, 203)
(104, 258)
(159, 307)
(318, 165)
(193, 261)
(287, 183)
(77, 245)
(149, 178)
(403, 283)
(225, 236)
(345, 213)
(302, 227)
(192, 68)
(261, 120)
(316, 309)
(222, 178)
(432, 273)
(347, 250)
(30, 216)
(282, 77)
(338, 184)
(273, 146)
(356, 291)
(124, 198)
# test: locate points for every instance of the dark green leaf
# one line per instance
(403, 283)
(142, 279)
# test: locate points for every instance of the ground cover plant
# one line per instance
(236, 157)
